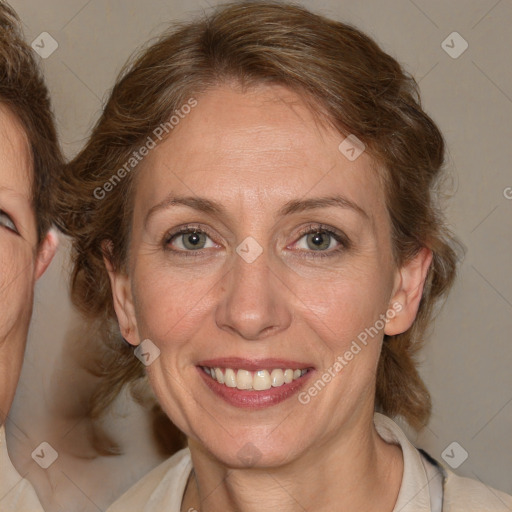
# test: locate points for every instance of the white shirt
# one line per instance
(16, 493)
(163, 487)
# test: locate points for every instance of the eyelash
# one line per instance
(6, 215)
(184, 230)
(338, 236)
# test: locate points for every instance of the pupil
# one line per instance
(318, 239)
(194, 238)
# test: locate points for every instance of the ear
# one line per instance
(122, 298)
(408, 291)
(46, 252)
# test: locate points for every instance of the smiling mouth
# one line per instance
(260, 380)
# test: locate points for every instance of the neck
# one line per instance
(357, 472)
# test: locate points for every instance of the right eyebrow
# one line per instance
(197, 203)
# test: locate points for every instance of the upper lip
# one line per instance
(254, 364)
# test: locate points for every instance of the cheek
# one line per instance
(16, 287)
(170, 302)
(16, 295)
(11, 359)
(347, 319)
(346, 303)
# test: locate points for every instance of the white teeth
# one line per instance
(219, 375)
(230, 378)
(277, 378)
(243, 379)
(260, 380)
(288, 376)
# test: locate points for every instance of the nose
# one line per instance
(253, 303)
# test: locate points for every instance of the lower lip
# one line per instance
(255, 399)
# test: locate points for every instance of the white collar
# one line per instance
(414, 495)
(163, 487)
(16, 493)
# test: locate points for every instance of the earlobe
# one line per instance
(46, 252)
(408, 292)
(122, 298)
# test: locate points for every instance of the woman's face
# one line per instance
(20, 266)
(258, 246)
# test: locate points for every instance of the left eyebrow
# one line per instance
(296, 206)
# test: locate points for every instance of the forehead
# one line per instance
(263, 144)
(15, 156)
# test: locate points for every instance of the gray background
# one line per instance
(467, 361)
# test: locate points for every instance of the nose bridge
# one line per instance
(251, 304)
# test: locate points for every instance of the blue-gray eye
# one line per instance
(317, 241)
(6, 221)
(192, 241)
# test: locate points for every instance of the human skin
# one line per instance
(21, 264)
(21, 261)
(252, 153)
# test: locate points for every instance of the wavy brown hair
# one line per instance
(345, 78)
(23, 91)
